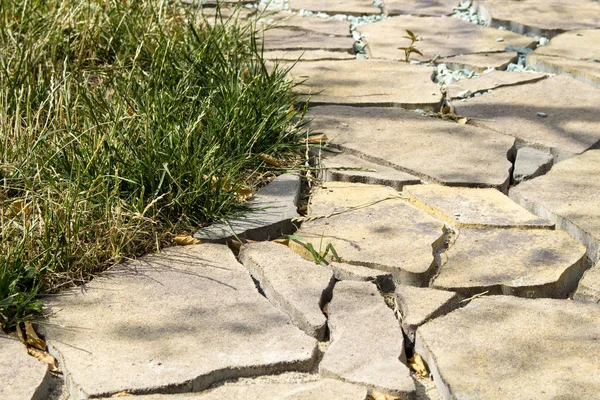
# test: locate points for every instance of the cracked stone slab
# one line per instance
(298, 39)
(473, 208)
(589, 286)
(367, 83)
(431, 149)
(569, 195)
(530, 163)
(346, 7)
(363, 171)
(390, 235)
(442, 37)
(326, 389)
(307, 55)
(479, 62)
(349, 272)
(418, 7)
(22, 377)
(578, 44)
(491, 81)
(323, 26)
(540, 17)
(570, 123)
(503, 347)
(177, 321)
(582, 70)
(297, 287)
(367, 345)
(525, 263)
(420, 305)
(270, 213)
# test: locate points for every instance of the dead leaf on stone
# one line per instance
(244, 194)
(45, 358)
(270, 160)
(282, 241)
(382, 396)
(417, 364)
(462, 121)
(33, 339)
(185, 240)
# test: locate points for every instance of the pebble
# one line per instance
(500, 39)
(542, 114)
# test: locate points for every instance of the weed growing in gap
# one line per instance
(411, 47)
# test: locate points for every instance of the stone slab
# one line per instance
(270, 213)
(349, 272)
(491, 81)
(22, 377)
(502, 347)
(390, 235)
(441, 37)
(420, 305)
(324, 26)
(577, 44)
(307, 55)
(178, 321)
(589, 286)
(297, 287)
(429, 148)
(571, 124)
(473, 208)
(530, 163)
(582, 70)
(367, 83)
(569, 195)
(347, 7)
(298, 39)
(364, 172)
(540, 17)
(418, 7)
(525, 263)
(479, 62)
(367, 346)
(326, 389)
(334, 197)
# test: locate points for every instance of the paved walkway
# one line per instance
(461, 192)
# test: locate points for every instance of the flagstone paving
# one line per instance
(416, 248)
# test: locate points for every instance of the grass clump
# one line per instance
(121, 123)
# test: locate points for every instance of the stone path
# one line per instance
(455, 216)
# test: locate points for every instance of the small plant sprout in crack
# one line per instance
(411, 47)
(318, 256)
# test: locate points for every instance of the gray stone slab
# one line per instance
(324, 26)
(334, 197)
(418, 7)
(473, 208)
(569, 195)
(390, 235)
(491, 81)
(540, 17)
(420, 305)
(578, 44)
(326, 389)
(307, 55)
(429, 148)
(479, 62)
(589, 286)
(571, 124)
(22, 377)
(349, 272)
(178, 321)
(270, 213)
(348, 7)
(440, 37)
(525, 263)
(348, 168)
(582, 70)
(297, 287)
(530, 163)
(367, 83)
(502, 347)
(367, 346)
(298, 39)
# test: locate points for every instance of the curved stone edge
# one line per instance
(589, 286)
(31, 378)
(514, 26)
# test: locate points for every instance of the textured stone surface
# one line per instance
(339, 196)
(349, 272)
(270, 213)
(371, 173)
(492, 80)
(367, 82)
(420, 305)
(326, 389)
(541, 17)
(479, 62)
(569, 195)
(324, 26)
(349, 7)
(525, 263)
(22, 377)
(390, 235)
(589, 286)
(418, 7)
(571, 125)
(307, 55)
(431, 149)
(440, 36)
(502, 347)
(178, 321)
(359, 353)
(297, 287)
(582, 70)
(473, 208)
(530, 163)
(298, 39)
(578, 44)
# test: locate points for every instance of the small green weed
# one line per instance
(411, 47)
(318, 256)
